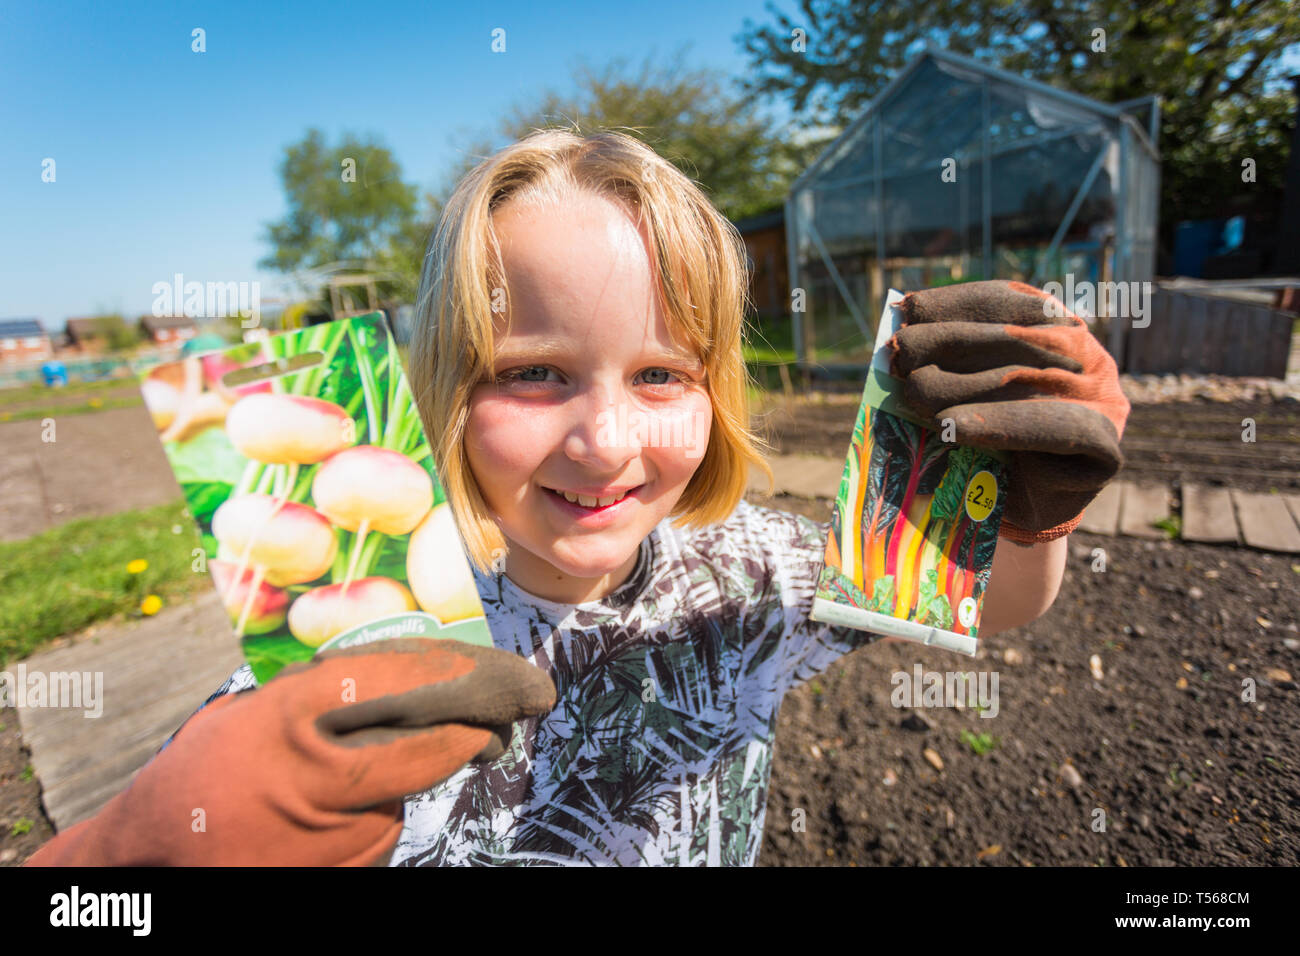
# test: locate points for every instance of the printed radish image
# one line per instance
(162, 400)
(368, 488)
(288, 429)
(315, 494)
(266, 608)
(284, 543)
(323, 612)
(438, 573)
(193, 408)
(293, 546)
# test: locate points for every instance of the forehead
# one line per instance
(579, 270)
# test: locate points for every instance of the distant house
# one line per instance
(88, 335)
(23, 340)
(168, 329)
(769, 286)
(97, 334)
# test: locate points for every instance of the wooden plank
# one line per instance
(1192, 334)
(1208, 515)
(156, 672)
(1218, 345)
(141, 662)
(807, 476)
(1135, 353)
(1142, 505)
(1293, 504)
(1102, 515)
(22, 500)
(1266, 523)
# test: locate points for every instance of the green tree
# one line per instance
(348, 206)
(118, 335)
(744, 162)
(1214, 63)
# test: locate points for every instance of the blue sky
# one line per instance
(166, 159)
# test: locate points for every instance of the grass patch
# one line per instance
(27, 393)
(1171, 526)
(71, 576)
(93, 404)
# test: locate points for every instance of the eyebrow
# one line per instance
(544, 350)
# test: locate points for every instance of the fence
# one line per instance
(19, 374)
(1201, 334)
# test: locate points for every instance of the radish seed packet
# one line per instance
(915, 523)
(304, 462)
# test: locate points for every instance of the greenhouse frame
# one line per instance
(959, 170)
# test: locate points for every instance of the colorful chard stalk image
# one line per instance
(904, 540)
(316, 496)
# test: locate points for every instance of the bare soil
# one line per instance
(1169, 751)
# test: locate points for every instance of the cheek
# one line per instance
(680, 439)
(504, 445)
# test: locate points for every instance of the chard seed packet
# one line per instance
(915, 524)
(322, 517)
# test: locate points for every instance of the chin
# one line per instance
(581, 561)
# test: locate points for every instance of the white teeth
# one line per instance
(588, 502)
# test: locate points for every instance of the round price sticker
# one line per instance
(981, 495)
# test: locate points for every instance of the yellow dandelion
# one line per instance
(151, 605)
(96, 402)
(136, 566)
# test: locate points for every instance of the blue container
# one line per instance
(1194, 242)
(55, 373)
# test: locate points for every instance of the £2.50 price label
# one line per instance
(981, 495)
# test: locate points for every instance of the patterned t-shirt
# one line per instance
(659, 749)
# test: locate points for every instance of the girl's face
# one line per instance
(596, 420)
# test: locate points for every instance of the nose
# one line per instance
(602, 435)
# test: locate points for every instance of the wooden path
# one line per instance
(1208, 514)
(155, 673)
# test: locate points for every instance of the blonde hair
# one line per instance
(703, 294)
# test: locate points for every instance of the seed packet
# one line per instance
(915, 524)
(322, 518)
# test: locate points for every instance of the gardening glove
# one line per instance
(292, 775)
(1018, 372)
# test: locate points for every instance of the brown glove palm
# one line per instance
(1016, 371)
(296, 774)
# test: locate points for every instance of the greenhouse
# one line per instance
(959, 171)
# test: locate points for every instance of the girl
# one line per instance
(577, 358)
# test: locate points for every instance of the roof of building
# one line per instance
(766, 220)
(20, 328)
(153, 323)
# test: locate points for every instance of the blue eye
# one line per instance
(652, 376)
(532, 374)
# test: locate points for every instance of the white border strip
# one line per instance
(831, 612)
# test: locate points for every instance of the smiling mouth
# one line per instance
(592, 501)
